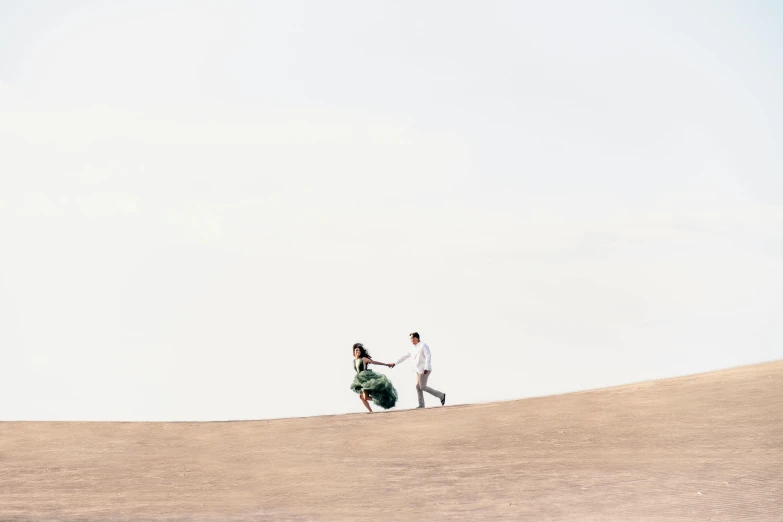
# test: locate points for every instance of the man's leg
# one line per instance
(418, 389)
(421, 386)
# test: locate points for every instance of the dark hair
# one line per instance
(363, 352)
(416, 335)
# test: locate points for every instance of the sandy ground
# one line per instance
(705, 447)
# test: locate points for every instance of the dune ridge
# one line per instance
(699, 447)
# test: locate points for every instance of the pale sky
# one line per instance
(203, 205)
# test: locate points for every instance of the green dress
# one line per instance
(378, 385)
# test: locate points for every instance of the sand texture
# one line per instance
(703, 447)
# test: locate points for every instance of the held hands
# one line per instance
(390, 365)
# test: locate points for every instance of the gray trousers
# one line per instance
(421, 387)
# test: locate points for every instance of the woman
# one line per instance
(371, 385)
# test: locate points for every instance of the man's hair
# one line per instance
(416, 335)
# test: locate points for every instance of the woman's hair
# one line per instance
(363, 352)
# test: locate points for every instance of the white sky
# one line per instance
(203, 205)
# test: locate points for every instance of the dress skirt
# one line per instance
(379, 387)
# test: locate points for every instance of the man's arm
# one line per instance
(403, 358)
(427, 358)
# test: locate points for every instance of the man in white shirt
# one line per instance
(422, 366)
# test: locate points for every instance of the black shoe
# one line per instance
(443, 400)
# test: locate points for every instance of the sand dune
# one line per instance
(704, 447)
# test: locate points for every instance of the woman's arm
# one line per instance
(370, 361)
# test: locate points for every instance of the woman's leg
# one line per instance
(363, 397)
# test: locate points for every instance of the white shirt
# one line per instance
(421, 357)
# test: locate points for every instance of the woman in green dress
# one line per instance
(371, 385)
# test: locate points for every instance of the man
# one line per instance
(422, 366)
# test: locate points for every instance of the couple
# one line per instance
(378, 388)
